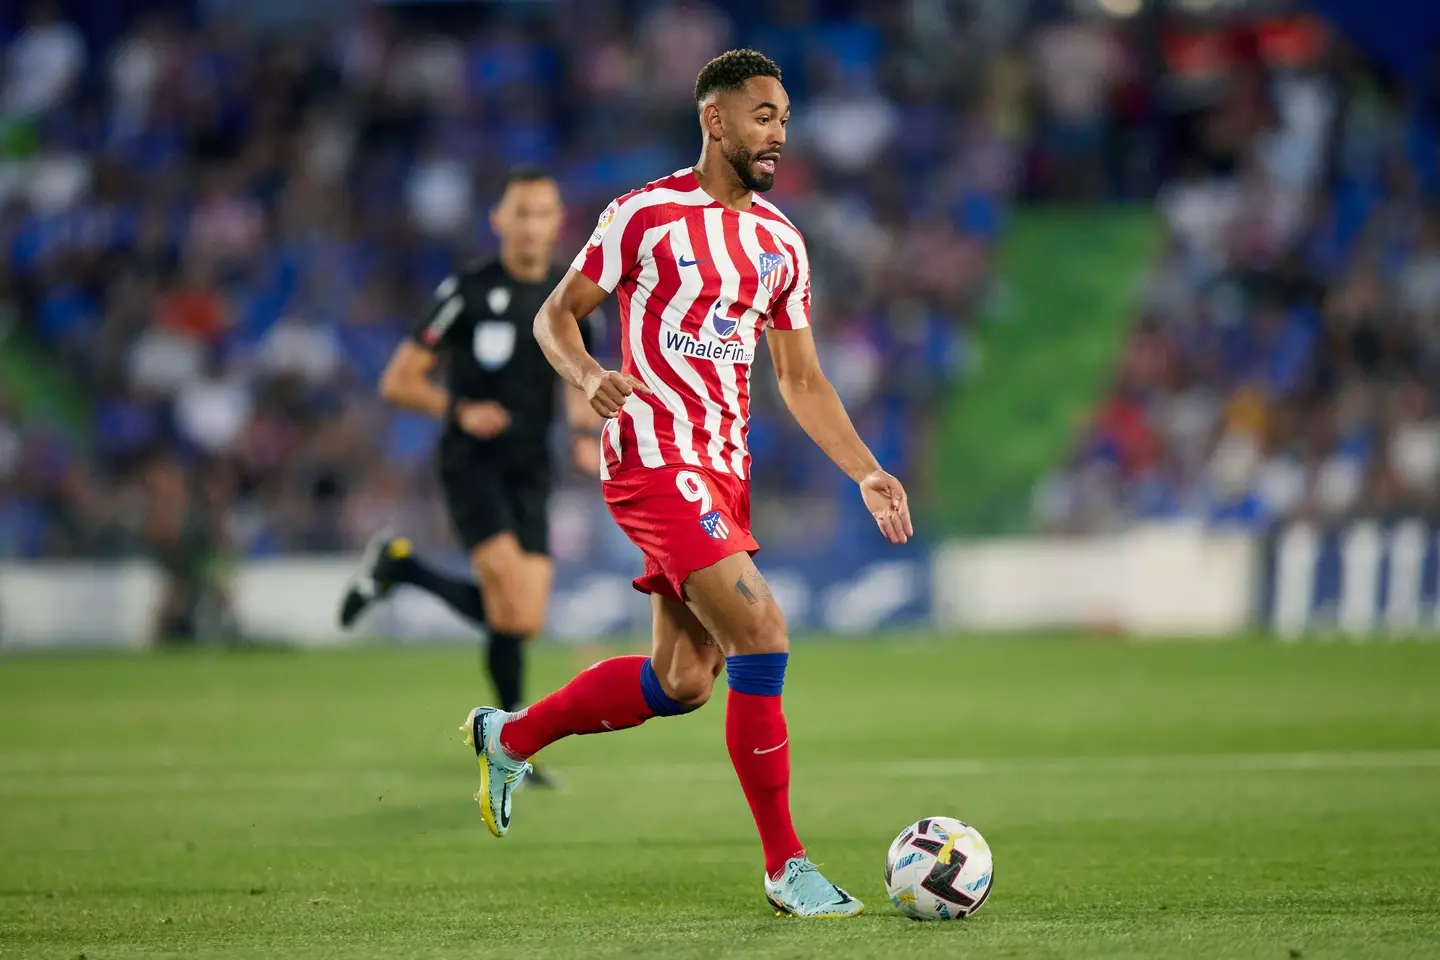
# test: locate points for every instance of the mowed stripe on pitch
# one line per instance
(136, 779)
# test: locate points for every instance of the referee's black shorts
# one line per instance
(485, 497)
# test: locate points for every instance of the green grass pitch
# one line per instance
(1146, 801)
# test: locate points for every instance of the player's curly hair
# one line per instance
(731, 69)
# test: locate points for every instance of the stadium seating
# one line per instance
(220, 233)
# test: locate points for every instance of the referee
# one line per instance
(494, 458)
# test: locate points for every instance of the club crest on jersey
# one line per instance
(715, 525)
(498, 299)
(772, 271)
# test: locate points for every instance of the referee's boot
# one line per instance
(373, 579)
(544, 778)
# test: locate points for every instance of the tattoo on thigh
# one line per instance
(753, 588)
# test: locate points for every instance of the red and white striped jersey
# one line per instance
(696, 284)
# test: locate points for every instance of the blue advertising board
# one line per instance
(852, 593)
(1359, 578)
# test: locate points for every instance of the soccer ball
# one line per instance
(939, 869)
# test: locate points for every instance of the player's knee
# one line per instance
(690, 686)
(764, 631)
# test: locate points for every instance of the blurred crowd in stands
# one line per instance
(221, 234)
(1285, 362)
(213, 235)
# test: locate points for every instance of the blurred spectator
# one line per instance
(220, 234)
(1413, 450)
(42, 64)
(184, 527)
(138, 66)
(212, 409)
(438, 194)
(10, 442)
(1286, 359)
(850, 123)
(674, 38)
(1077, 63)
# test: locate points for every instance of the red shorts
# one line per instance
(682, 518)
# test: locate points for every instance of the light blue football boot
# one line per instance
(499, 774)
(802, 891)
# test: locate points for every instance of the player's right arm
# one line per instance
(557, 330)
(592, 277)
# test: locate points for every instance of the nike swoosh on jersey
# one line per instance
(690, 263)
(774, 748)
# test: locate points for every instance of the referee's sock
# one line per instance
(505, 659)
(462, 596)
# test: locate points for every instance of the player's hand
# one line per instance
(608, 389)
(888, 504)
(586, 450)
(482, 419)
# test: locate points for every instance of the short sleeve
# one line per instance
(433, 331)
(614, 245)
(793, 310)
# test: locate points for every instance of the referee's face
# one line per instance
(527, 220)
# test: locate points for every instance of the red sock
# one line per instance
(759, 747)
(606, 697)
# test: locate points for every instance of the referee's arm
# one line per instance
(584, 422)
(578, 413)
(407, 382)
(585, 426)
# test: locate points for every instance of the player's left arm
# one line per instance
(817, 408)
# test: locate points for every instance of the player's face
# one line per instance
(527, 218)
(755, 118)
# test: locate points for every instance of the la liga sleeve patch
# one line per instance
(603, 224)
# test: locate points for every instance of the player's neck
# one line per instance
(524, 270)
(717, 178)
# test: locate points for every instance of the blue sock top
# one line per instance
(655, 696)
(761, 674)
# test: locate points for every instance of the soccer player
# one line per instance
(494, 456)
(700, 265)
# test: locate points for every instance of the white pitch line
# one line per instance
(1182, 763)
(1083, 766)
